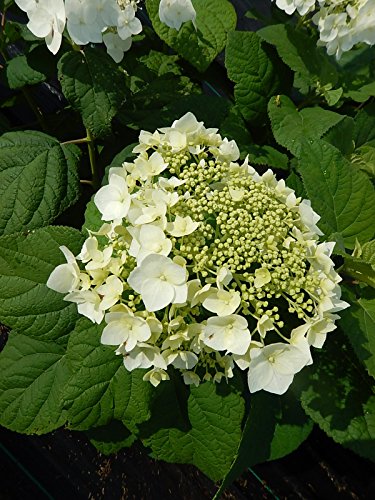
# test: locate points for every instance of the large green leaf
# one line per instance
(275, 426)
(363, 93)
(292, 128)
(19, 73)
(215, 18)
(153, 106)
(38, 180)
(33, 376)
(100, 388)
(203, 428)
(343, 196)
(339, 396)
(341, 135)
(94, 86)
(255, 72)
(359, 325)
(26, 303)
(299, 51)
(34, 67)
(364, 129)
(368, 253)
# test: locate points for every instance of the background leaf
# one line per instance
(343, 197)
(299, 51)
(339, 397)
(292, 128)
(201, 46)
(206, 430)
(33, 377)
(275, 426)
(100, 388)
(38, 180)
(364, 128)
(255, 72)
(359, 325)
(27, 304)
(95, 87)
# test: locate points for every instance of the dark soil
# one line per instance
(64, 465)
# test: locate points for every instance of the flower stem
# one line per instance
(84, 140)
(92, 156)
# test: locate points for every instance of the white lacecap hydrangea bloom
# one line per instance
(204, 265)
(291, 6)
(112, 22)
(174, 13)
(341, 23)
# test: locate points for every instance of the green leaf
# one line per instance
(268, 156)
(275, 426)
(126, 154)
(95, 87)
(363, 93)
(111, 438)
(26, 303)
(341, 135)
(160, 63)
(34, 67)
(292, 128)
(364, 129)
(33, 376)
(339, 397)
(358, 322)
(332, 96)
(100, 388)
(364, 159)
(359, 270)
(20, 30)
(93, 218)
(206, 431)
(368, 252)
(294, 181)
(19, 73)
(201, 46)
(38, 180)
(299, 51)
(155, 105)
(255, 72)
(343, 197)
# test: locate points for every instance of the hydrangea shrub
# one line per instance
(230, 226)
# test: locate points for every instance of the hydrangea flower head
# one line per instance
(204, 265)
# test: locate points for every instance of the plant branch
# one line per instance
(92, 156)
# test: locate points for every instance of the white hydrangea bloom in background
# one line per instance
(116, 46)
(301, 6)
(127, 23)
(47, 20)
(112, 22)
(341, 23)
(82, 22)
(174, 13)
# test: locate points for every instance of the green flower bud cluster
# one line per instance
(244, 226)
